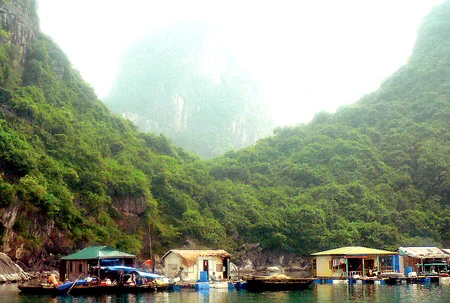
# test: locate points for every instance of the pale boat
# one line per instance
(218, 284)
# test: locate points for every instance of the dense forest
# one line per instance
(73, 174)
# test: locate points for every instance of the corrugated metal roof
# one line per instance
(97, 252)
(423, 252)
(190, 256)
(354, 250)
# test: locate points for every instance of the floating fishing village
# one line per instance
(181, 184)
(99, 270)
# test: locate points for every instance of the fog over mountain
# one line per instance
(183, 82)
(308, 55)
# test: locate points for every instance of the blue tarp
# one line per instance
(130, 270)
(148, 275)
(106, 262)
(67, 285)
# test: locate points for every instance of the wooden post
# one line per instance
(346, 267)
(378, 263)
(363, 268)
(74, 283)
(98, 274)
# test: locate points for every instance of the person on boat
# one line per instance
(179, 273)
(52, 280)
(213, 277)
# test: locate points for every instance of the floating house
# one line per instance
(188, 264)
(72, 266)
(424, 260)
(346, 262)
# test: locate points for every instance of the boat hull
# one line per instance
(92, 290)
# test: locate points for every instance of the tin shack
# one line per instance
(187, 264)
(346, 262)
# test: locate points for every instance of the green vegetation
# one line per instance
(375, 174)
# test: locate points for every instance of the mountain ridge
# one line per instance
(183, 82)
(73, 174)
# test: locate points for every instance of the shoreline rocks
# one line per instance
(10, 271)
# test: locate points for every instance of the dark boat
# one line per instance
(76, 290)
(118, 279)
(88, 290)
(136, 289)
(38, 289)
(392, 278)
(277, 283)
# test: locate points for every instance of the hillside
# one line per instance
(183, 82)
(373, 174)
(73, 174)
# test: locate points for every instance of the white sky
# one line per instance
(309, 55)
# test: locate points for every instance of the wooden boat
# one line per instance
(48, 289)
(124, 280)
(392, 278)
(91, 289)
(277, 283)
(44, 289)
(136, 289)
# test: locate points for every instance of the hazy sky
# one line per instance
(309, 55)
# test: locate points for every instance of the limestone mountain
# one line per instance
(375, 173)
(73, 174)
(183, 82)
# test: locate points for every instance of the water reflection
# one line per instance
(320, 293)
(430, 293)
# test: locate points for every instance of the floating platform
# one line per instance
(276, 283)
(392, 280)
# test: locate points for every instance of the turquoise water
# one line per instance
(319, 293)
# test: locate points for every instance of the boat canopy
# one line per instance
(131, 270)
(423, 252)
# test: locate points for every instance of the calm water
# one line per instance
(319, 293)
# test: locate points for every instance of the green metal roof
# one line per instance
(97, 252)
(354, 250)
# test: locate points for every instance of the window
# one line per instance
(219, 267)
(80, 267)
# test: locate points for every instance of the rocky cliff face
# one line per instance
(9, 271)
(18, 28)
(185, 84)
(181, 118)
(19, 23)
